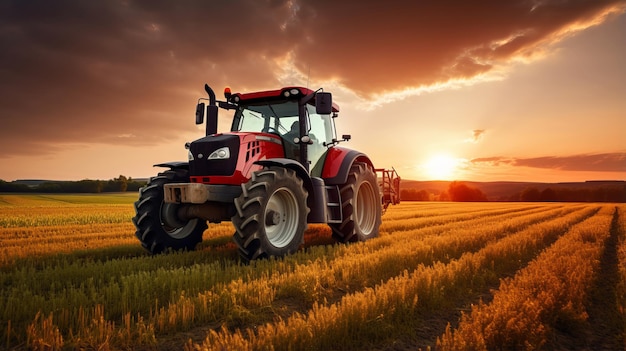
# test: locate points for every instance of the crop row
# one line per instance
(378, 311)
(43, 244)
(166, 299)
(37, 242)
(547, 295)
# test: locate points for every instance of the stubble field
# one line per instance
(450, 276)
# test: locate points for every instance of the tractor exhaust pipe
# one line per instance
(211, 112)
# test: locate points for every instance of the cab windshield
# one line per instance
(281, 118)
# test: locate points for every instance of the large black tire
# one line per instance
(271, 214)
(158, 227)
(361, 206)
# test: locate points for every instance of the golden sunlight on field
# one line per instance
(448, 276)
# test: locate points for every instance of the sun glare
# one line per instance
(441, 167)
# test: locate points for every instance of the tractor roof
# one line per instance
(285, 93)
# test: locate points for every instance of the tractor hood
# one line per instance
(214, 155)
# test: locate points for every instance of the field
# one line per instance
(449, 276)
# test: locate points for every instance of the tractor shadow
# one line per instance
(224, 248)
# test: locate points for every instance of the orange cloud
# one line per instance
(477, 134)
(387, 46)
(88, 72)
(606, 162)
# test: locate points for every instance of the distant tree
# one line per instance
(443, 196)
(119, 184)
(617, 194)
(12, 187)
(49, 187)
(134, 185)
(458, 191)
(513, 197)
(423, 195)
(407, 194)
(530, 194)
(89, 186)
(122, 183)
(548, 195)
(607, 194)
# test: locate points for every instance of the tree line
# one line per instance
(119, 184)
(599, 194)
(458, 191)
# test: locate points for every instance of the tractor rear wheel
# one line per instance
(271, 214)
(158, 226)
(361, 206)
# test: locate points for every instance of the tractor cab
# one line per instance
(306, 130)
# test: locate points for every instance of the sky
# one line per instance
(517, 90)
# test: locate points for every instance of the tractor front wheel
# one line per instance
(271, 214)
(158, 226)
(361, 206)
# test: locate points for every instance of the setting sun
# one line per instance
(441, 167)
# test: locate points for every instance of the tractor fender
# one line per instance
(174, 165)
(338, 162)
(291, 164)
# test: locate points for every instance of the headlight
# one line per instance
(220, 154)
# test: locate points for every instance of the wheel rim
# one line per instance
(365, 208)
(172, 225)
(281, 217)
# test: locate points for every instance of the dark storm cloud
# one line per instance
(128, 72)
(607, 162)
(389, 45)
(124, 72)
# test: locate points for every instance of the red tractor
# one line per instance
(278, 169)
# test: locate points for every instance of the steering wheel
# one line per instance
(270, 130)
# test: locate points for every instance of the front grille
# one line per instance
(254, 148)
(202, 148)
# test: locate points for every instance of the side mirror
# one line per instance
(323, 103)
(200, 113)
